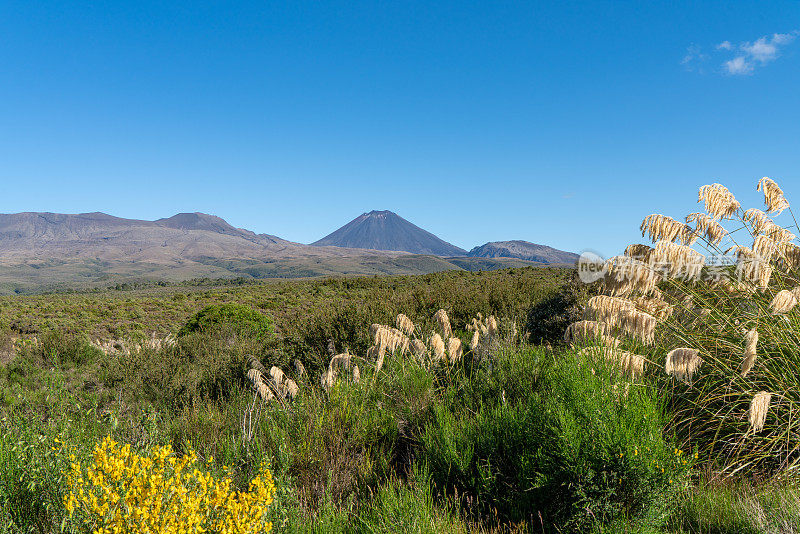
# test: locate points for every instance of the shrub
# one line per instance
(584, 449)
(547, 320)
(123, 491)
(237, 317)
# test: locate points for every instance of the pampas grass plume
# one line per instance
(773, 195)
(437, 343)
(759, 406)
(444, 323)
(682, 363)
(719, 201)
(751, 341)
(405, 324)
(783, 302)
(454, 349)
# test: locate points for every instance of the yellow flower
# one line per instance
(120, 491)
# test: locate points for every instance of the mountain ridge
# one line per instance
(524, 250)
(42, 251)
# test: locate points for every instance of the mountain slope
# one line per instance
(523, 250)
(385, 230)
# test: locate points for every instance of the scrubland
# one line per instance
(660, 398)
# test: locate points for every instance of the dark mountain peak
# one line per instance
(524, 250)
(385, 230)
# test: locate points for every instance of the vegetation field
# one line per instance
(437, 403)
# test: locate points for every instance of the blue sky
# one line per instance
(559, 123)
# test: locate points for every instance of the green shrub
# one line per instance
(237, 317)
(547, 320)
(579, 450)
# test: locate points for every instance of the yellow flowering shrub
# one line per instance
(123, 492)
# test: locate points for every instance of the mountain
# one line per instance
(385, 230)
(54, 235)
(523, 250)
(53, 251)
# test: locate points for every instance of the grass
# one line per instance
(525, 438)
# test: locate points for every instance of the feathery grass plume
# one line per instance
(444, 323)
(719, 201)
(356, 374)
(627, 362)
(708, 226)
(789, 256)
(254, 375)
(437, 343)
(764, 247)
(277, 375)
(386, 337)
(483, 328)
(624, 275)
(265, 392)
(779, 234)
(328, 379)
(290, 389)
(773, 196)
(341, 362)
(299, 369)
(682, 363)
(379, 334)
(759, 406)
(678, 261)
(588, 333)
(398, 341)
(758, 219)
(751, 341)
(491, 326)
(783, 302)
(608, 310)
(379, 362)
(454, 349)
(418, 347)
(373, 330)
(663, 228)
(655, 306)
(751, 268)
(639, 325)
(476, 338)
(638, 251)
(259, 386)
(630, 363)
(405, 324)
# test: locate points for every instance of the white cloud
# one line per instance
(738, 65)
(743, 58)
(694, 58)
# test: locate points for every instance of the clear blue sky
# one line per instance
(559, 123)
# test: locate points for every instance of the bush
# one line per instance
(547, 320)
(237, 317)
(584, 449)
(162, 492)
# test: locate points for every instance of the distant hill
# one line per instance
(385, 230)
(523, 250)
(47, 251)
